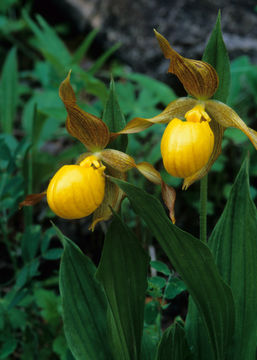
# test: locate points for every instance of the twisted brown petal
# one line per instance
(32, 199)
(112, 198)
(168, 192)
(121, 162)
(149, 172)
(87, 128)
(176, 108)
(218, 131)
(169, 197)
(227, 117)
(198, 77)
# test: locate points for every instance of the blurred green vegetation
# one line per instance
(34, 144)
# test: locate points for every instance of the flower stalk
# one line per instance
(203, 208)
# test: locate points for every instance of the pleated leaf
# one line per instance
(148, 347)
(196, 333)
(173, 344)
(123, 274)
(114, 119)
(9, 91)
(234, 245)
(195, 264)
(84, 305)
(216, 54)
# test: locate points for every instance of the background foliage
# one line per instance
(34, 59)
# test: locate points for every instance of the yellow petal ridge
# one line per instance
(186, 147)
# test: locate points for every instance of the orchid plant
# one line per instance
(103, 307)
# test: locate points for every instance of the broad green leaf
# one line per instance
(173, 344)
(160, 267)
(195, 264)
(114, 119)
(234, 245)
(9, 91)
(216, 54)
(123, 274)
(84, 305)
(157, 281)
(196, 333)
(174, 288)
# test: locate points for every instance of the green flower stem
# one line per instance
(203, 208)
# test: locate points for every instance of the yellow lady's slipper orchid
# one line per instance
(76, 191)
(186, 146)
(189, 151)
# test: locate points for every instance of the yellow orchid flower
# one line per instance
(78, 190)
(189, 148)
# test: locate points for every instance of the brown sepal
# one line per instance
(112, 198)
(169, 197)
(32, 199)
(87, 128)
(117, 159)
(199, 78)
(149, 172)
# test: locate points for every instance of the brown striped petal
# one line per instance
(117, 159)
(149, 172)
(87, 128)
(199, 78)
(169, 197)
(176, 108)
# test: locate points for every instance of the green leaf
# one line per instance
(157, 281)
(148, 347)
(114, 119)
(196, 333)
(195, 264)
(160, 267)
(216, 54)
(30, 242)
(81, 51)
(173, 344)
(174, 288)
(151, 311)
(8, 348)
(233, 243)
(102, 59)
(48, 43)
(84, 305)
(123, 274)
(9, 92)
(60, 347)
(48, 301)
(52, 254)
